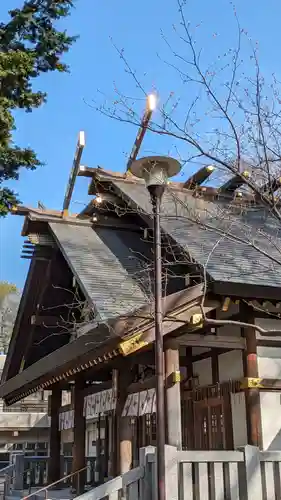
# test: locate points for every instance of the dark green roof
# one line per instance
(104, 266)
(238, 245)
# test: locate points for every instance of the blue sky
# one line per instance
(52, 130)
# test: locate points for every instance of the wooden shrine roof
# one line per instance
(101, 262)
(244, 242)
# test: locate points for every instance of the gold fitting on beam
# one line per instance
(176, 377)
(196, 319)
(226, 304)
(251, 383)
(132, 344)
(65, 213)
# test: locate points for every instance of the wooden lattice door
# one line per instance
(209, 424)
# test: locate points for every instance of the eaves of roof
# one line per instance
(98, 346)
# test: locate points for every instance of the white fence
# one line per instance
(248, 474)
(125, 487)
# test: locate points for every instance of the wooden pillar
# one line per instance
(126, 445)
(188, 414)
(188, 364)
(113, 445)
(124, 435)
(54, 436)
(79, 431)
(173, 395)
(252, 394)
(215, 366)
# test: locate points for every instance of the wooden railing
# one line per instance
(127, 486)
(249, 474)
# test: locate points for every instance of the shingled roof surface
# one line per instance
(234, 243)
(104, 267)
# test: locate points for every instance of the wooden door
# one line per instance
(209, 429)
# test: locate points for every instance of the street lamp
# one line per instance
(156, 170)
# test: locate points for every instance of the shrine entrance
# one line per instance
(206, 418)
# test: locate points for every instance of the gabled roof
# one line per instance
(103, 264)
(104, 267)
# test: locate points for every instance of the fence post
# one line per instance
(172, 473)
(18, 461)
(147, 483)
(253, 472)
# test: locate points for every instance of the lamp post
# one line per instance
(156, 170)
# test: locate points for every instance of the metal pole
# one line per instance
(156, 195)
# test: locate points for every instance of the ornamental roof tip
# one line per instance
(30, 211)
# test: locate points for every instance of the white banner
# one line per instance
(137, 404)
(142, 402)
(148, 404)
(133, 410)
(127, 405)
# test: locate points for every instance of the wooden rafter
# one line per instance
(234, 182)
(199, 177)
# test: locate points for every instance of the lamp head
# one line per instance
(151, 102)
(155, 170)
